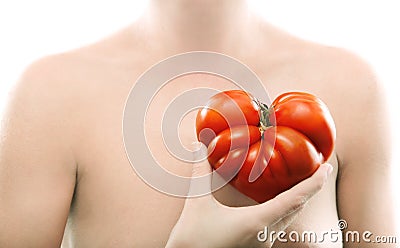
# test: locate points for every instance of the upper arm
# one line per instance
(37, 168)
(364, 187)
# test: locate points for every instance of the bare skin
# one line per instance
(62, 155)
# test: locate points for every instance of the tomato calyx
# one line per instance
(264, 116)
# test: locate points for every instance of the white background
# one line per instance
(32, 29)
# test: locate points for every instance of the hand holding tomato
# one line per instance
(263, 150)
(204, 230)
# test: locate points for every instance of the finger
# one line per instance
(293, 199)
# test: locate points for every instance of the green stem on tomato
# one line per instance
(264, 117)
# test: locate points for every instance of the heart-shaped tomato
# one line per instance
(264, 151)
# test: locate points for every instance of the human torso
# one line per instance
(112, 205)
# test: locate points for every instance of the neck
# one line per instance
(198, 24)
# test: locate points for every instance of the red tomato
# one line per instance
(265, 151)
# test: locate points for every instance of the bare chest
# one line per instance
(116, 206)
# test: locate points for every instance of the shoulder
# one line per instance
(344, 78)
(338, 66)
(341, 76)
(47, 73)
(339, 70)
(44, 87)
(344, 67)
(68, 64)
(55, 88)
(65, 75)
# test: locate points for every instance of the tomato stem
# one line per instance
(264, 116)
